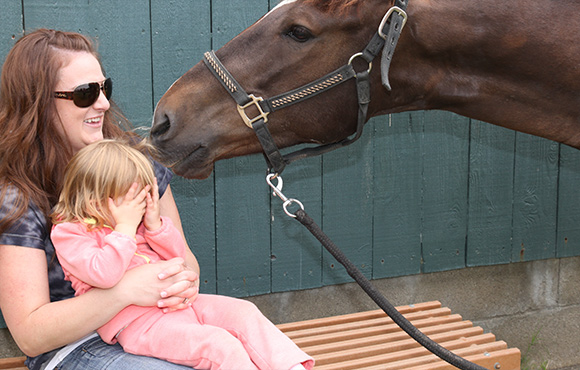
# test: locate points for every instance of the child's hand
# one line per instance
(152, 219)
(128, 210)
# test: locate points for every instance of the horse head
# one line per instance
(196, 122)
(495, 61)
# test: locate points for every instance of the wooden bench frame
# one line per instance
(371, 341)
(13, 363)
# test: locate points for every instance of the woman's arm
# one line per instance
(39, 326)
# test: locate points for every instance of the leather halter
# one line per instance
(385, 38)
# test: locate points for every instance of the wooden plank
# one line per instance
(11, 29)
(124, 44)
(385, 323)
(331, 343)
(378, 362)
(491, 178)
(535, 199)
(354, 334)
(347, 216)
(413, 357)
(389, 352)
(14, 363)
(296, 254)
(445, 156)
(172, 56)
(398, 176)
(505, 359)
(568, 238)
(195, 201)
(354, 317)
(242, 195)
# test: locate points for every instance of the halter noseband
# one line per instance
(385, 38)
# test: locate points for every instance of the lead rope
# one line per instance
(364, 283)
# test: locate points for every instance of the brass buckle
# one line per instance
(255, 101)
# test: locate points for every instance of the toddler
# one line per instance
(107, 221)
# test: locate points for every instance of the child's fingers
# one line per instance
(155, 189)
(112, 204)
(142, 195)
(131, 193)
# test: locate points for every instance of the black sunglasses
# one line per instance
(86, 95)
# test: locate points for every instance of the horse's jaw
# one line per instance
(193, 165)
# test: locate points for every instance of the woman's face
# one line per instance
(80, 126)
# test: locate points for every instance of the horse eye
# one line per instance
(300, 33)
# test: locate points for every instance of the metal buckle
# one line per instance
(400, 11)
(255, 101)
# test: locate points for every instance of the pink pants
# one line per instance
(216, 332)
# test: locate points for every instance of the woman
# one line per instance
(54, 100)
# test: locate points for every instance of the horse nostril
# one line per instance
(160, 127)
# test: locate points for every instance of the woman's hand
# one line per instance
(183, 291)
(166, 284)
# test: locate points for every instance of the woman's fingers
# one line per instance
(173, 266)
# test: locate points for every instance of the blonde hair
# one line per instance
(102, 170)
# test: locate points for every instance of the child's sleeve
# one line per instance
(167, 241)
(95, 260)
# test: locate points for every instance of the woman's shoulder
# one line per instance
(164, 176)
(11, 198)
(30, 229)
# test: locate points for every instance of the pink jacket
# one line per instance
(99, 258)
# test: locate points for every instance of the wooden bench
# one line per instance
(13, 363)
(370, 340)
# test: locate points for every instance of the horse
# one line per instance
(508, 63)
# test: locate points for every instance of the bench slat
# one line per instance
(353, 334)
(406, 348)
(396, 341)
(13, 363)
(371, 323)
(424, 358)
(360, 316)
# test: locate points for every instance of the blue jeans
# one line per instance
(95, 354)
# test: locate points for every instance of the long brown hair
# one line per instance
(33, 155)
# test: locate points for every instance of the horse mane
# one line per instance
(333, 6)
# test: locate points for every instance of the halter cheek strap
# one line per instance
(392, 24)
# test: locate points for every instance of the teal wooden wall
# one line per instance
(420, 192)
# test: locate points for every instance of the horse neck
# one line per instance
(490, 60)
